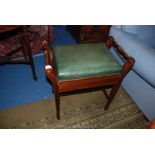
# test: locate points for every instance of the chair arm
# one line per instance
(111, 42)
(49, 63)
(47, 53)
(129, 61)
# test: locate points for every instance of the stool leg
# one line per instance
(111, 96)
(57, 104)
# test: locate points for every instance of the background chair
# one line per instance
(19, 43)
(14, 39)
(139, 42)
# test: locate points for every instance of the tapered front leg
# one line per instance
(57, 104)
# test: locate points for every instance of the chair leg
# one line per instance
(32, 67)
(112, 95)
(57, 104)
(25, 53)
(29, 53)
(28, 50)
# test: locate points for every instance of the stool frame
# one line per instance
(65, 87)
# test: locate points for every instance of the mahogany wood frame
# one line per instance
(112, 81)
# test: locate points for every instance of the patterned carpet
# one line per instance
(80, 111)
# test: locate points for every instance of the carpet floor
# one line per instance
(18, 86)
(80, 111)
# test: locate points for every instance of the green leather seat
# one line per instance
(84, 60)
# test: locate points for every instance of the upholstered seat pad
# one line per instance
(84, 60)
